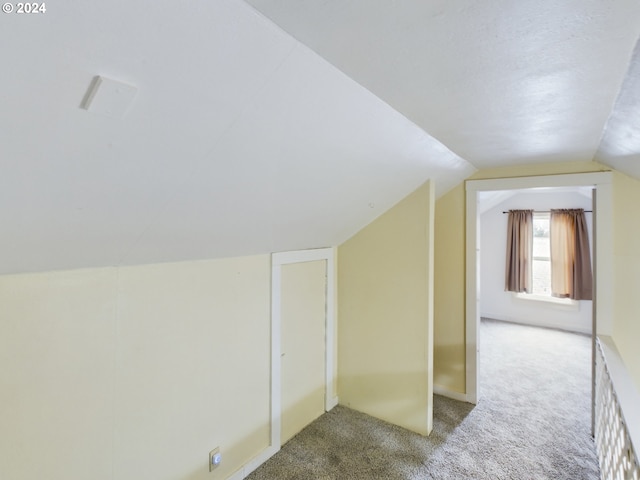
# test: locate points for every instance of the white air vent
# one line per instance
(109, 97)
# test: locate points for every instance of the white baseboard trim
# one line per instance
(254, 463)
(333, 403)
(543, 323)
(445, 392)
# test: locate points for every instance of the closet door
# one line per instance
(303, 345)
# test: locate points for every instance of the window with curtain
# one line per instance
(570, 255)
(519, 251)
(548, 254)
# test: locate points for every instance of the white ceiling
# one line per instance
(498, 82)
(249, 136)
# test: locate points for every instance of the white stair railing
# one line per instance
(616, 416)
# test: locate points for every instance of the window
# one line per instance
(541, 265)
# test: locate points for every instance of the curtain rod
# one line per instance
(549, 211)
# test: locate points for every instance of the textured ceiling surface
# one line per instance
(278, 125)
(497, 82)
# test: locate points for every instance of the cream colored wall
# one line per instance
(449, 321)
(57, 378)
(626, 326)
(135, 372)
(449, 334)
(303, 345)
(385, 315)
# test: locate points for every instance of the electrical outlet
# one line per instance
(214, 458)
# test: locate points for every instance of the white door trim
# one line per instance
(602, 181)
(277, 260)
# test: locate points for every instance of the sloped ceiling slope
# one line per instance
(497, 82)
(240, 140)
(620, 145)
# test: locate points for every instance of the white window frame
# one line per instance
(569, 303)
(566, 302)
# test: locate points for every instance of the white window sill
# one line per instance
(565, 302)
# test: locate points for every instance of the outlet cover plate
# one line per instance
(212, 454)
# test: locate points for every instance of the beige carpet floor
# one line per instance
(532, 422)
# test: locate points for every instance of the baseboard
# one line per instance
(331, 404)
(553, 325)
(254, 463)
(445, 392)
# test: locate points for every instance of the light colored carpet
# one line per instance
(532, 422)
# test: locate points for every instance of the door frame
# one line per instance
(603, 255)
(277, 261)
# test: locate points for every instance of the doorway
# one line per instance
(538, 307)
(301, 344)
(602, 254)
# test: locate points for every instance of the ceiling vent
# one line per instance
(109, 97)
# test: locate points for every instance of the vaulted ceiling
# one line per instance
(273, 125)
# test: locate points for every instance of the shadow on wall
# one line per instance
(449, 367)
(384, 396)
